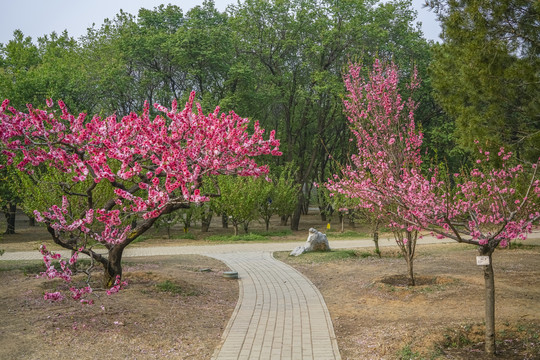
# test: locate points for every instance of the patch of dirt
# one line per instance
(169, 310)
(377, 316)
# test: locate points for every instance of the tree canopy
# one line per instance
(485, 73)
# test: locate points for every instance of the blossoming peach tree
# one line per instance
(388, 161)
(488, 206)
(121, 168)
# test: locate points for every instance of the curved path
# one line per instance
(280, 314)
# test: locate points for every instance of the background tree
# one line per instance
(10, 197)
(150, 167)
(289, 71)
(240, 199)
(485, 73)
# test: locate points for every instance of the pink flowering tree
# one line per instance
(124, 168)
(488, 206)
(388, 160)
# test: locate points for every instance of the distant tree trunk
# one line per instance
(267, 222)
(235, 229)
(322, 213)
(284, 219)
(352, 223)
(295, 219)
(342, 221)
(224, 221)
(10, 212)
(31, 221)
(489, 281)
(246, 226)
(376, 237)
(206, 219)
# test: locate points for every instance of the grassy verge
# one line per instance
(255, 236)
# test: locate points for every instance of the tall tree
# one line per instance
(485, 74)
(289, 72)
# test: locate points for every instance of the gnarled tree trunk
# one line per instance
(113, 267)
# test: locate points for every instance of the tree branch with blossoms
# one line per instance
(135, 167)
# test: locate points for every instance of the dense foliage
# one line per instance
(279, 62)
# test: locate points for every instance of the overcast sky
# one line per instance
(40, 17)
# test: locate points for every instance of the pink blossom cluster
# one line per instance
(51, 272)
(118, 285)
(64, 273)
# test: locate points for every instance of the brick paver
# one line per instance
(280, 314)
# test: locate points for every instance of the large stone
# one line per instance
(316, 241)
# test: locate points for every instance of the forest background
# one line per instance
(282, 62)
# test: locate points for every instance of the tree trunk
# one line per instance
(235, 229)
(113, 267)
(31, 221)
(410, 257)
(376, 239)
(342, 220)
(489, 281)
(284, 219)
(352, 222)
(206, 219)
(322, 213)
(224, 221)
(410, 270)
(246, 226)
(406, 241)
(295, 219)
(267, 223)
(10, 212)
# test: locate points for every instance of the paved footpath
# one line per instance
(280, 314)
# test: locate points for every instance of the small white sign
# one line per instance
(482, 260)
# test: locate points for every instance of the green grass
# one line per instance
(184, 236)
(35, 267)
(31, 267)
(406, 353)
(172, 288)
(347, 235)
(324, 256)
(273, 233)
(238, 238)
(255, 236)
(520, 245)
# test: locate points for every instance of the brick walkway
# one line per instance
(280, 314)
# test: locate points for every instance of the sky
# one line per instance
(36, 18)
